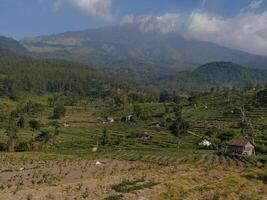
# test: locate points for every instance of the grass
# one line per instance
(114, 197)
(129, 186)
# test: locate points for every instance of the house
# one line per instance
(241, 146)
(204, 143)
(66, 124)
(127, 119)
(155, 125)
(110, 119)
(105, 120)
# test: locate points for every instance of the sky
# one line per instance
(239, 24)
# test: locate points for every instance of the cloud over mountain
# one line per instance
(94, 8)
(245, 31)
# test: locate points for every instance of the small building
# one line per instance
(204, 143)
(241, 146)
(110, 119)
(66, 124)
(146, 136)
(127, 119)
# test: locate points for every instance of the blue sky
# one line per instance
(239, 24)
(23, 18)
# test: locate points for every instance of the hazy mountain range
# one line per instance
(143, 55)
(165, 61)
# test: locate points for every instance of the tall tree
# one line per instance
(11, 132)
(120, 100)
(178, 126)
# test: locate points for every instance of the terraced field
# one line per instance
(43, 176)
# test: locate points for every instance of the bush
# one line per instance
(59, 111)
(114, 197)
(43, 137)
(2, 146)
(21, 122)
(261, 149)
(128, 186)
(34, 124)
(21, 147)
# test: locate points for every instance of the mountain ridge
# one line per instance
(9, 45)
(120, 49)
(215, 75)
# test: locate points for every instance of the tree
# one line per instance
(56, 131)
(245, 123)
(104, 137)
(21, 122)
(34, 124)
(137, 110)
(261, 98)
(166, 96)
(11, 132)
(120, 100)
(178, 126)
(193, 100)
(59, 111)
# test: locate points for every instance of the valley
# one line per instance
(118, 114)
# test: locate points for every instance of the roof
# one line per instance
(241, 142)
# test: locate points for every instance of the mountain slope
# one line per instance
(213, 75)
(9, 45)
(131, 52)
(24, 74)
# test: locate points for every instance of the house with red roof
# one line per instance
(241, 146)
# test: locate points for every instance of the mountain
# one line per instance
(141, 55)
(215, 75)
(9, 46)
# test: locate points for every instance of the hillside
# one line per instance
(211, 75)
(24, 74)
(127, 50)
(215, 75)
(9, 45)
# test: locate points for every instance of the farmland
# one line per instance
(146, 160)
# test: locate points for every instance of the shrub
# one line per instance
(59, 111)
(128, 186)
(114, 197)
(21, 122)
(42, 137)
(21, 147)
(2, 146)
(34, 124)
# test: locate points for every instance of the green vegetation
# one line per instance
(128, 186)
(114, 197)
(70, 122)
(215, 75)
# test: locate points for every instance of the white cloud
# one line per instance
(255, 4)
(95, 8)
(246, 31)
(169, 22)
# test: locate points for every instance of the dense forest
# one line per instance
(40, 76)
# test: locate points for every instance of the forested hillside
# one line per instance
(11, 45)
(215, 75)
(39, 76)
